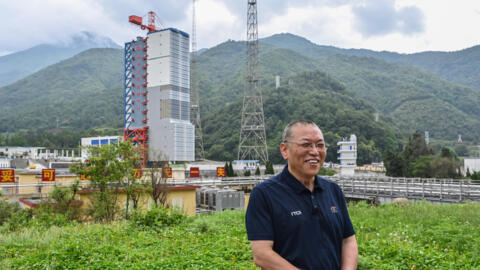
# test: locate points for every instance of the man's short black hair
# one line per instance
(287, 132)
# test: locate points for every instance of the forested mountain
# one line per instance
(411, 98)
(339, 91)
(23, 63)
(462, 66)
(310, 95)
(81, 92)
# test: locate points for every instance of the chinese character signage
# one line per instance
(48, 175)
(221, 172)
(84, 177)
(194, 172)
(137, 173)
(7, 176)
(167, 172)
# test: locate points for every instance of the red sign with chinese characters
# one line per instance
(221, 172)
(167, 172)
(7, 176)
(48, 175)
(194, 172)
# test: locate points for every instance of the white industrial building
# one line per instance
(347, 150)
(20, 152)
(95, 142)
(157, 95)
(471, 164)
(168, 65)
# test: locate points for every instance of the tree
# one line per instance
(227, 169)
(422, 167)
(64, 198)
(394, 163)
(108, 167)
(447, 152)
(158, 184)
(247, 173)
(269, 167)
(461, 150)
(257, 171)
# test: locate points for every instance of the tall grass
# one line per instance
(418, 236)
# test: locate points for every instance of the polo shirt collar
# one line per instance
(296, 185)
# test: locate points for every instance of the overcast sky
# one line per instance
(394, 25)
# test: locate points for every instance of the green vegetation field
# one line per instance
(419, 236)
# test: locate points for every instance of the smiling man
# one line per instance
(297, 219)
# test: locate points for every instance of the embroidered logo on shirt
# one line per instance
(296, 213)
(334, 209)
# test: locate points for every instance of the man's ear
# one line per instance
(283, 150)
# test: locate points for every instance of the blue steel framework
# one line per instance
(135, 96)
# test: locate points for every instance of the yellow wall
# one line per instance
(33, 179)
(184, 199)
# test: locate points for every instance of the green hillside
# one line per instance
(409, 98)
(222, 71)
(414, 99)
(311, 95)
(461, 66)
(81, 92)
(86, 92)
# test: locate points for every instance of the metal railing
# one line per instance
(430, 189)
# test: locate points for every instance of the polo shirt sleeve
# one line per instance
(347, 226)
(258, 219)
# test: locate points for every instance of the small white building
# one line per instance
(5, 162)
(347, 150)
(471, 164)
(243, 165)
(95, 142)
(20, 152)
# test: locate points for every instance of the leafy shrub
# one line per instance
(475, 176)
(326, 171)
(64, 197)
(12, 217)
(8, 209)
(157, 218)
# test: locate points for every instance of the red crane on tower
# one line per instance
(152, 17)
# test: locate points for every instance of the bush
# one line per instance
(45, 216)
(475, 176)
(12, 217)
(8, 209)
(326, 171)
(157, 218)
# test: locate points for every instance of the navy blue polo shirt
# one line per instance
(307, 228)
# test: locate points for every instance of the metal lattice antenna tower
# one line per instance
(253, 140)
(194, 97)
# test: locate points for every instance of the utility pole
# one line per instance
(253, 139)
(194, 97)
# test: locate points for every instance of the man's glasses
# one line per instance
(310, 145)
